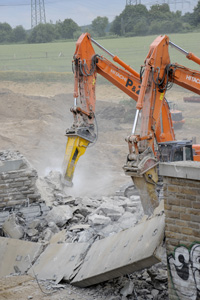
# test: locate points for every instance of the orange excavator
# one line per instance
(156, 139)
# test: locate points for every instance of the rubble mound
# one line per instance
(50, 215)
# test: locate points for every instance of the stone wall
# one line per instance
(182, 229)
(17, 181)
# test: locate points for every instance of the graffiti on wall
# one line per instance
(184, 267)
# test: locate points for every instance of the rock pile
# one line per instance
(87, 219)
(84, 219)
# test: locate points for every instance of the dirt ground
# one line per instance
(35, 116)
(25, 288)
(33, 119)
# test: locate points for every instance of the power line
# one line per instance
(22, 4)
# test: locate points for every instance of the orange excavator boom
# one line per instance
(148, 90)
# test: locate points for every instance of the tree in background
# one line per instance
(5, 32)
(67, 28)
(99, 25)
(134, 20)
(42, 33)
(19, 34)
(162, 20)
(133, 16)
(196, 15)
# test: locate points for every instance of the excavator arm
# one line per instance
(159, 74)
(147, 90)
(86, 65)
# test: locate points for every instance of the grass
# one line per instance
(27, 61)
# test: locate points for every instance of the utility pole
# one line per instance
(37, 12)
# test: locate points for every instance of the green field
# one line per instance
(54, 60)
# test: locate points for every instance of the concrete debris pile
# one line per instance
(144, 285)
(65, 233)
(85, 219)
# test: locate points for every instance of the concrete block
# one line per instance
(15, 255)
(12, 229)
(3, 216)
(11, 165)
(181, 169)
(60, 215)
(59, 261)
(98, 220)
(122, 253)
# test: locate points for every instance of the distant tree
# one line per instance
(5, 32)
(116, 26)
(159, 12)
(67, 28)
(99, 25)
(77, 34)
(130, 17)
(142, 27)
(19, 34)
(196, 15)
(188, 18)
(42, 33)
(162, 20)
(89, 30)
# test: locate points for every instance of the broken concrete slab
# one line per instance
(12, 229)
(98, 220)
(110, 210)
(58, 237)
(122, 253)
(29, 212)
(11, 165)
(59, 261)
(60, 215)
(16, 256)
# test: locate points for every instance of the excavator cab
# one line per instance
(175, 151)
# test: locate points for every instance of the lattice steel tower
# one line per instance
(133, 2)
(37, 12)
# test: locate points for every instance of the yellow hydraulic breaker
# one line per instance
(76, 147)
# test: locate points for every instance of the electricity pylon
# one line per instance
(37, 12)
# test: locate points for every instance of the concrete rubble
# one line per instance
(75, 238)
(16, 256)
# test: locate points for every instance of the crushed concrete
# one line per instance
(57, 219)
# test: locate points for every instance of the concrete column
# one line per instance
(182, 230)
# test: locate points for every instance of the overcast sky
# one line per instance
(18, 12)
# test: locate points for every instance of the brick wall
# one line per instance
(17, 180)
(182, 230)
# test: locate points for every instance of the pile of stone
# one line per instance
(148, 284)
(56, 215)
(82, 219)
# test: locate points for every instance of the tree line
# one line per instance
(134, 20)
